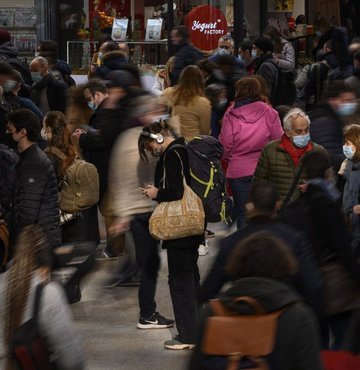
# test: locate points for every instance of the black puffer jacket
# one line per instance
(36, 195)
(185, 55)
(297, 344)
(326, 129)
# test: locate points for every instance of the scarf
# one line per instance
(328, 187)
(241, 103)
(295, 153)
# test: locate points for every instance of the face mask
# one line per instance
(318, 33)
(37, 53)
(36, 77)
(43, 134)
(222, 103)
(348, 152)
(241, 59)
(253, 54)
(223, 51)
(301, 140)
(9, 85)
(91, 105)
(101, 55)
(347, 109)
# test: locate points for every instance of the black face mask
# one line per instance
(10, 142)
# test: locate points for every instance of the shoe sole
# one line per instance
(153, 326)
(179, 346)
(210, 236)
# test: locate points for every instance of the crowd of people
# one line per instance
(291, 154)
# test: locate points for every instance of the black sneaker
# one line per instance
(177, 344)
(209, 234)
(155, 321)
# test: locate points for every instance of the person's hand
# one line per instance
(150, 191)
(77, 133)
(356, 209)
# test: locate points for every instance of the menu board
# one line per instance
(153, 29)
(119, 29)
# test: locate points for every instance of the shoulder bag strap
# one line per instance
(56, 151)
(36, 307)
(294, 184)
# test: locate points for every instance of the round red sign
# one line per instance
(206, 24)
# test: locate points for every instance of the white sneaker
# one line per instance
(203, 249)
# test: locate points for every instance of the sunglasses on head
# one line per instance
(297, 114)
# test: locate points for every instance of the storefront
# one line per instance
(78, 25)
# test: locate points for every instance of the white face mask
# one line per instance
(223, 51)
(43, 134)
(9, 85)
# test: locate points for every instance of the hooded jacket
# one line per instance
(245, 132)
(112, 61)
(297, 344)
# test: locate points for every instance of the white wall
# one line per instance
(299, 8)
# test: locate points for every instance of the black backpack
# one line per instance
(28, 348)
(284, 91)
(208, 178)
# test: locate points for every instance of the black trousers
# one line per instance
(147, 257)
(184, 283)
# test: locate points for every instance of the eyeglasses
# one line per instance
(296, 115)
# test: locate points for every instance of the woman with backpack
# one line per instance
(30, 268)
(248, 125)
(80, 226)
(171, 171)
(260, 266)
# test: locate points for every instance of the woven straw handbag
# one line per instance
(179, 218)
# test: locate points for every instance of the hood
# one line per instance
(62, 67)
(9, 49)
(249, 113)
(271, 294)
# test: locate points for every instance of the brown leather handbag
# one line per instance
(4, 244)
(240, 336)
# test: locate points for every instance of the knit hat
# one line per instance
(264, 44)
(4, 36)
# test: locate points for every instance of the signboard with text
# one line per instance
(206, 24)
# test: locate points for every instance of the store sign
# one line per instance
(207, 24)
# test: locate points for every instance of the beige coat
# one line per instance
(195, 118)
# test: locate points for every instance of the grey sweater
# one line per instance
(55, 325)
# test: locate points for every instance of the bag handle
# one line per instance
(182, 170)
(220, 310)
(56, 151)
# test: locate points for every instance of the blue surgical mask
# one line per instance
(241, 59)
(91, 105)
(223, 51)
(9, 85)
(253, 53)
(301, 140)
(347, 109)
(348, 152)
(222, 103)
(100, 55)
(36, 77)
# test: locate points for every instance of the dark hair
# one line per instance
(183, 32)
(206, 65)
(275, 37)
(16, 75)
(5, 68)
(337, 88)
(144, 139)
(96, 86)
(249, 88)
(48, 45)
(316, 163)
(25, 118)
(352, 133)
(263, 195)
(246, 45)
(282, 111)
(104, 37)
(110, 46)
(213, 92)
(261, 254)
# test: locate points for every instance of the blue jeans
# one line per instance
(240, 188)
